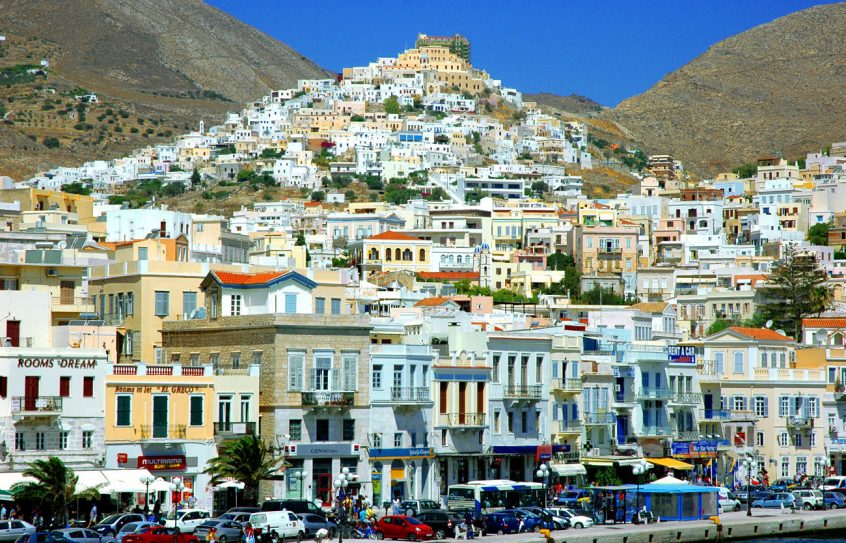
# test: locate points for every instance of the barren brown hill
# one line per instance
(775, 88)
(572, 103)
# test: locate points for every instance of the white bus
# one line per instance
(494, 495)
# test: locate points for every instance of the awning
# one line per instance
(6, 496)
(231, 484)
(160, 485)
(124, 480)
(606, 461)
(671, 463)
(568, 470)
(91, 479)
(10, 478)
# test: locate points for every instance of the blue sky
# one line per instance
(607, 50)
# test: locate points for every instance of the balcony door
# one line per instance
(66, 289)
(13, 333)
(31, 392)
(462, 403)
(224, 413)
(160, 416)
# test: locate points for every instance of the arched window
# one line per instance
(406, 255)
(387, 254)
(397, 254)
(374, 254)
(422, 255)
(443, 259)
(451, 259)
(458, 259)
(836, 340)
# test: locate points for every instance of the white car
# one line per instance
(727, 501)
(186, 519)
(576, 521)
(276, 525)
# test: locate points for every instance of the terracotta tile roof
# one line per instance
(754, 278)
(312, 204)
(233, 278)
(396, 236)
(824, 322)
(760, 333)
(449, 276)
(435, 301)
(651, 307)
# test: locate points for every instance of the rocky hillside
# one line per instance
(573, 103)
(775, 88)
(164, 64)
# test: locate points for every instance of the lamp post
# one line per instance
(146, 480)
(176, 485)
(543, 474)
(748, 465)
(640, 469)
(301, 475)
(340, 483)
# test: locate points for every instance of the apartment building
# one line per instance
(391, 251)
(604, 249)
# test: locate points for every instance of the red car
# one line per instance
(160, 534)
(403, 527)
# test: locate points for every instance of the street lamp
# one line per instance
(640, 469)
(748, 465)
(301, 475)
(146, 479)
(340, 483)
(176, 485)
(543, 474)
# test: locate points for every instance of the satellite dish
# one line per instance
(769, 323)
(781, 332)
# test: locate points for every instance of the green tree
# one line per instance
(474, 196)
(357, 119)
(195, 178)
(540, 187)
(818, 233)
(269, 153)
(719, 325)
(341, 261)
(248, 460)
(53, 488)
(300, 240)
(350, 195)
(559, 261)
(392, 105)
(795, 288)
(51, 142)
(77, 187)
(318, 196)
(246, 174)
(746, 171)
(606, 476)
(602, 296)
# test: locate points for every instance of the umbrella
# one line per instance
(231, 484)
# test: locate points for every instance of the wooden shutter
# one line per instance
(295, 371)
(350, 362)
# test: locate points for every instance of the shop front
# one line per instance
(703, 456)
(313, 467)
(406, 473)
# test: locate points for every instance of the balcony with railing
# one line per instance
(68, 303)
(37, 406)
(712, 415)
(742, 415)
(654, 394)
(623, 399)
(462, 421)
(567, 427)
(686, 435)
(328, 388)
(168, 370)
(566, 385)
(598, 419)
(655, 431)
(523, 392)
(326, 398)
(162, 431)
(411, 395)
(800, 421)
(234, 430)
(686, 398)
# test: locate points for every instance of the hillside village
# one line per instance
(435, 301)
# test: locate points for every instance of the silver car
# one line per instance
(83, 535)
(10, 530)
(131, 528)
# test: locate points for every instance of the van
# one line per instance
(272, 526)
(727, 501)
(834, 483)
(300, 507)
(186, 519)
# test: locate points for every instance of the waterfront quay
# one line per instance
(732, 526)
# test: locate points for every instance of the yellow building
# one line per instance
(391, 251)
(605, 249)
(42, 200)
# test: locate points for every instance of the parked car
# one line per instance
(227, 530)
(501, 523)
(755, 494)
(783, 485)
(112, 524)
(576, 521)
(314, 522)
(402, 527)
(809, 499)
(132, 527)
(442, 522)
(727, 501)
(834, 500)
(295, 506)
(273, 525)
(558, 522)
(413, 507)
(531, 521)
(834, 483)
(81, 535)
(186, 519)
(42, 537)
(777, 500)
(571, 498)
(10, 530)
(239, 514)
(161, 534)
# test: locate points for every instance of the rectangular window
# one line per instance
(63, 440)
(88, 387)
(64, 386)
(130, 303)
(812, 439)
(348, 429)
(124, 410)
(235, 360)
(257, 358)
(349, 365)
(142, 253)
(4, 386)
(377, 441)
(785, 467)
(20, 441)
(162, 303)
(797, 439)
(87, 439)
(336, 306)
(290, 302)
(738, 361)
(295, 429)
(321, 430)
(39, 441)
(524, 422)
(442, 406)
(510, 422)
(235, 305)
(398, 439)
(495, 374)
(761, 407)
(320, 306)
(189, 303)
(497, 427)
(783, 406)
(296, 370)
(759, 439)
(377, 376)
(197, 410)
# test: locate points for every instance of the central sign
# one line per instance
(162, 463)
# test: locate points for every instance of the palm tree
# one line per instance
(248, 460)
(53, 488)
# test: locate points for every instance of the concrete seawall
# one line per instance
(732, 527)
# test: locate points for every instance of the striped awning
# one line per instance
(671, 463)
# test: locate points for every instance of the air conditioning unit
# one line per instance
(52, 272)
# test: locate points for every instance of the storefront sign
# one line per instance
(704, 448)
(624, 371)
(122, 458)
(326, 450)
(415, 452)
(64, 363)
(681, 355)
(151, 389)
(158, 463)
(543, 453)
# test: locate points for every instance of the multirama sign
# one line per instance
(63, 363)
